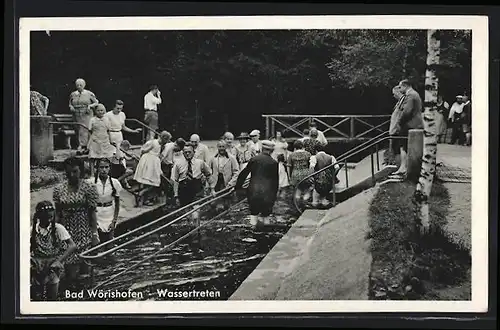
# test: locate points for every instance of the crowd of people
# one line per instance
(85, 207)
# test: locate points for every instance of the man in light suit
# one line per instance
(410, 118)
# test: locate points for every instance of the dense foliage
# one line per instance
(232, 77)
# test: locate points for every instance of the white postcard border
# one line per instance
(479, 250)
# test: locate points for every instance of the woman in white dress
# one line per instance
(148, 172)
(280, 154)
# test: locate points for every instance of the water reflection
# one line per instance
(219, 257)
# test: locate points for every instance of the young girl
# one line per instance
(99, 143)
(51, 244)
(108, 206)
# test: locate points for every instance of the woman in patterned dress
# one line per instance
(81, 103)
(100, 143)
(75, 201)
(298, 162)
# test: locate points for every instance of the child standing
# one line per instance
(99, 142)
(51, 244)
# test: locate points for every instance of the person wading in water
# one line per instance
(263, 187)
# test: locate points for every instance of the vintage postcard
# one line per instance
(254, 164)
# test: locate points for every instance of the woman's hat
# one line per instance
(269, 145)
(459, 96)
(243, 135)
(255, 132)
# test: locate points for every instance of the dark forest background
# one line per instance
(231, 78)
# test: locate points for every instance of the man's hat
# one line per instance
(243, 135)
(269, 145)
(255, 132)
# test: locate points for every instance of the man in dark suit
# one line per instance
(410, 118)
(263, 187)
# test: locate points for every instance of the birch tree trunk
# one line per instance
(424, 185)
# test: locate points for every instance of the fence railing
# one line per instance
(334, 127)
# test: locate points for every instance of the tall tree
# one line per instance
(424, 185)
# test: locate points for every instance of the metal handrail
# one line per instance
(325, 116)
(381, 135)
(341, 159)
(151, 256)
(143, 125)
(210, 199)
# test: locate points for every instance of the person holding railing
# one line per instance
(186, 176)
(116, 119)
(81, 103)
(151, 101)
(323, 181)
(298, 164)
(410, 118)
(148, 172)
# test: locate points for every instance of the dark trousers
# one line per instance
(263, 209)
(105, 236)
(457, 133)
(398, 143)
(165, 186)
(189, 191)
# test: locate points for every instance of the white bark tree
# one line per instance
(424, 185)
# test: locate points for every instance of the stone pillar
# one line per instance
(415, 153)
(42, 143)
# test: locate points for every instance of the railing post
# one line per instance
(334, 197)
(267, 127)
(273, 128)
(346, 174)
(352, 133)
(373, 168)
(376, 150)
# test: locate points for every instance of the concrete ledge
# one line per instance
(336, 263)
(264, 282)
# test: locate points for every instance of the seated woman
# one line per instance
(51, 244)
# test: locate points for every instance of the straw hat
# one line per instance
(243, 135)
(255, 132)
(269, 145)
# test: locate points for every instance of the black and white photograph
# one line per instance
(253, 164)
